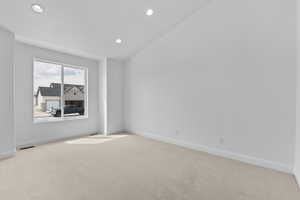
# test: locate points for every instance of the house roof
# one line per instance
(48, 91)
(55, 89)
(67, 87)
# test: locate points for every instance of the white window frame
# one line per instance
(62, 102)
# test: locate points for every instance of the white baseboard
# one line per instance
(227, 154)
(7, 154)
(50, 140)
(116, 132)
(297, 177)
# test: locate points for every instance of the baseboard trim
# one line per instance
(116, 132)
(8, 154)
(51, 140)
(297, 177)
(226, 154)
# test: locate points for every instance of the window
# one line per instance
(59, 91)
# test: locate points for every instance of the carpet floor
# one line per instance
(135, 168)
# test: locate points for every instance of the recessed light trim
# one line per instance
(118, 41)
(149, 12)
(37, 8)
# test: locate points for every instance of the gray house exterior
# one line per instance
(48, 98)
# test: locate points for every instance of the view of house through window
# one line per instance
(59, 90)
(74, 93)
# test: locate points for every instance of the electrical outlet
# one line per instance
(221, 141)
(177, 132)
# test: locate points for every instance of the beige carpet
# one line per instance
(135, 168)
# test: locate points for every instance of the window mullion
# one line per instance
(62, 91)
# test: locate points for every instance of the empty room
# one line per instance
(149, 100)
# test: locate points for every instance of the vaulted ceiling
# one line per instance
(90, 27)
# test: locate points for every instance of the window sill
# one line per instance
(53, 120)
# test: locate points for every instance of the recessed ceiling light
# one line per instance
(37, 8)
(118, 41)
(149, 12)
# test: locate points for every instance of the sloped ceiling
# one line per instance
(90, 27)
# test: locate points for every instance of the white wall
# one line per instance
(102, 114)
(297, 141)
(7, 142)
(26, 131)
(115, 97)
(222, 81)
